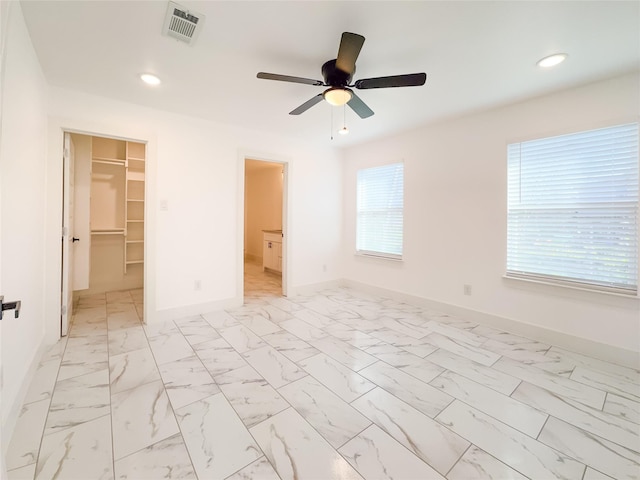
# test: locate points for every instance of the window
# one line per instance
(573, 209)
(380, 200)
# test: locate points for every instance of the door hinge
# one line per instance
(64, 231)
(15, 306)
(64, 310)
(66, 153)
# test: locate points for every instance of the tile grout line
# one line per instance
(113, 451)
(404, 446)
(585, 465)
(586, 432)
(606, 397)
(173, 411)
(42, 435)
(44, 425)
(371, 423)
(471, 445)
(557, 452)
(113, 456)
(248, 429)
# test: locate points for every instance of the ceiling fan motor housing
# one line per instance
(335, 77)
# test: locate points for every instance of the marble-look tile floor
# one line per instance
(336, 385)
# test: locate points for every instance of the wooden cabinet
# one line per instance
(272, 250)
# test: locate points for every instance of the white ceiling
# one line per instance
(476, 55)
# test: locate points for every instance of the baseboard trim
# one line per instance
(191, 310)
(197, 309)
(602, 351)
(312, 288)
(114, 287)
(9, 423)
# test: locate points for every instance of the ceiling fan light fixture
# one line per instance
(343, 131)
(337, 96)
(552, 60)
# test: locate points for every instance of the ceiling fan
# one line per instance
(338, 74)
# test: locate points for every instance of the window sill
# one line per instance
(568, 287)
(379, 256)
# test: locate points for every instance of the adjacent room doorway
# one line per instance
(265, 233)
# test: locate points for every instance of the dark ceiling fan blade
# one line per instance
(306, 105)
(409, 80)
(350, 46)
(287, 78)
(358, 106)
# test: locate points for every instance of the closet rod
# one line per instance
(109, 162)
(108, 232)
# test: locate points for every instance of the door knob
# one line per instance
(74, 240)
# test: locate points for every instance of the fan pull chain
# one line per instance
(331, 122)
(344, 116)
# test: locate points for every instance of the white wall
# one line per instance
(455, 214)
(196, 167)
(263, 206)
(22, 163)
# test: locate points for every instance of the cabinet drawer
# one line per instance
(273, 237)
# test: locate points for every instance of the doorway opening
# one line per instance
(264, 228)
(103, 220)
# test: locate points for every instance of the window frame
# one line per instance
(586, 284)
(371, 252)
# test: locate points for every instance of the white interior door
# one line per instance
(81, 202)
(67, 235)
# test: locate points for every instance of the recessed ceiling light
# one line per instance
(552, 60)
(150, 79)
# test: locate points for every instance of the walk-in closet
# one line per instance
(109, 193)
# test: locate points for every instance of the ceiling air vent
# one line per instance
(182, 24)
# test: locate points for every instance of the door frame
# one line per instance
(53, 218)
(286, 218)
(68, 232)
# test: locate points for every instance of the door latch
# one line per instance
(15, 306)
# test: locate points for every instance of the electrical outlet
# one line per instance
(197, 285)
(324, 268)
(467, 289)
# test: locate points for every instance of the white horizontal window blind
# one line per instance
(380, 202)
(573, 209)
